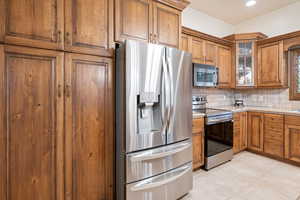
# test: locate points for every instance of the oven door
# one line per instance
(205, 76)
(218, 138)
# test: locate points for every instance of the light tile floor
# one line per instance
(247, 177)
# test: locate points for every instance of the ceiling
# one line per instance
(235, 11)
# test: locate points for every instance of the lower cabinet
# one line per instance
(56, 125)
(274, 135)
(255, 131)
(198, 143)
(292, 138)
(240, 132)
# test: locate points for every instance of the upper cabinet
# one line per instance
(133, 20)
(152, 21)
(75, 26)
(271, 67)
(210, 53)
(224, 63)
(167, 25)
(197, 50)
(245, 56)
(33, 23)
(184, 43)
(89, 26)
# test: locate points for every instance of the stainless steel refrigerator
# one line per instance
(153, 122)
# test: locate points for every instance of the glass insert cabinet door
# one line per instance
(245, 63)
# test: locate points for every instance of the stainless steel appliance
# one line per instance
(153, 122)
(205, 75)
(218, 145)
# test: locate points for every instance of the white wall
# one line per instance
(281, 21)
(199, 21)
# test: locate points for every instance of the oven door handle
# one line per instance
(212, 122)
(161, 180)
(168, 152)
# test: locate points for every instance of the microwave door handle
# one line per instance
(216, 77)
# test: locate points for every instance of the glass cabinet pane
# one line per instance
(245, 69)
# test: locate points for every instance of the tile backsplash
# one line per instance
(255, 97)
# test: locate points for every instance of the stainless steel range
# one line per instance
(218, 133)
(153, 122)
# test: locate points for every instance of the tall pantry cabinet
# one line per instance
(56, 105)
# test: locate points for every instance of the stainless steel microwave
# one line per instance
(205, 75)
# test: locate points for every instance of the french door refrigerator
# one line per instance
(153, 122)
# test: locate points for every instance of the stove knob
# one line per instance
(197, 99)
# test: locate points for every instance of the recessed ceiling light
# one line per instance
(250, 3)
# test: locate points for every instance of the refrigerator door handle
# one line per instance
(166, 97)
(152, 155)
(161, 180)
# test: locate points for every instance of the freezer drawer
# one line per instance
(149, 163)
(168, 186)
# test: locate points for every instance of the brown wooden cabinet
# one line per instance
(292, 138)
(133, 20)
(89, 26)
(31, 116)
(59, 121)
(271, 65)
(274, 134)
(197, 50)
(148, 21)
(211, 53)
(89, 127)
(224, 63)
(33, 23)
(198, 143)
(255, 131)
(240, 132)
(167, 25)
(184, 43)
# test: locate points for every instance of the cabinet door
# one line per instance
(244, 133)
(89, 26)
(31, 124)
(271, 70)
(198, 143)
(225, 67)
(292, 138)
(184, 43)
(198, 51)
(33, 23)
(210, 53)
(237, 133)
(255, 131)
(89, 128)
(167, 25)
(133, 20)
(273, 135)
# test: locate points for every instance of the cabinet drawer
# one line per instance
(292, 120)
(198, 125)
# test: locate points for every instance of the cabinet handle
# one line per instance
(67, 38)
(68, 91)
(151, 38)
(58, 35)
(59, 92)
(155, 39)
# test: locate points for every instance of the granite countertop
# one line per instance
(267, 109)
